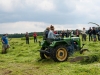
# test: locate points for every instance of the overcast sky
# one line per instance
(20, 16)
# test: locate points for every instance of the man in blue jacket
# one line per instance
(5, 43)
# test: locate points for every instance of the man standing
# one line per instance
(27, 38)
(67, 33)
(77, 33)
(63, 34)
(35, 37)
(5, 43)
(99, 34)
(83, 34)
(94, 34)
(90, 34)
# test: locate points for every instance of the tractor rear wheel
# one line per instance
(59, 54)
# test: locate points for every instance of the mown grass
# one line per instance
(24, 59)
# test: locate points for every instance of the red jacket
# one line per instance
(34, 34)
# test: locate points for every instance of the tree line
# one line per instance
(19, 35)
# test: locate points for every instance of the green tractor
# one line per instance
(59, 50)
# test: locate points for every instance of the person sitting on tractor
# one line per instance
(52, 35)
(45, 34)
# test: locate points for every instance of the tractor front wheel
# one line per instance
(43, 55)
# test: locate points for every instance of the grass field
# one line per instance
(23, 59)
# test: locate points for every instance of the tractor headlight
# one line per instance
(53, 43)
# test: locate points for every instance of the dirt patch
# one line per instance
(7, 72)
(79, 58)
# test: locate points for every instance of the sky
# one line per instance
(21, 16)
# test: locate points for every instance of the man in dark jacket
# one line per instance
(27, 38)
(98, 34)
(94, 34)
(90, 34)
(77, 33)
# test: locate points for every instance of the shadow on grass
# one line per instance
(45, 60)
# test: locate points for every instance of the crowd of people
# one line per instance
(93, 33)
(50, 33)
